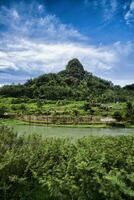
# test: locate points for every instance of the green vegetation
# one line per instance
(74, 83)
(62, 107)
(14, 108)
(74, 93)
(3, 110)
(91, 168)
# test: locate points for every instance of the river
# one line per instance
(62, 132)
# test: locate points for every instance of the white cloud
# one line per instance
(41, 26)
(32, 57)
(15, 14)
(40, 8)
(123, 49)
(129, 16)
(132, 5)
(1, 85)
(110, 9)
(43, 44)
(43, 57)
(50, 57)
(123, 82)
(114, 5)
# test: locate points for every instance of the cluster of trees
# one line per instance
(72, 83)
(128, 114)
(90, 168)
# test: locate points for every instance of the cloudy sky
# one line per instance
(40, 36)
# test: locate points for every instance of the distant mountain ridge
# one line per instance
(72, 83)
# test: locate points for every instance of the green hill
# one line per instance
(72, 83)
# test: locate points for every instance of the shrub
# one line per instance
(86, 106)
(117, 115)
(92, 168)
(3, 110)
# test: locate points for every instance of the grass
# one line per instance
(40, 123)
(12, 122)
(20, 122)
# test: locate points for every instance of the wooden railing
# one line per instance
(60, 119)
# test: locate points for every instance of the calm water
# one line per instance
(70, 132)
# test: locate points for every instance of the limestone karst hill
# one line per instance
(72, 83)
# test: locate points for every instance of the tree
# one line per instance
(23, 108)
(129, 112)
(117, 115)
(86, 106)
(3, 110)
(39, 105)
(129, 106)
(75, 112)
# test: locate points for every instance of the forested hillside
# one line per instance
(72, 83)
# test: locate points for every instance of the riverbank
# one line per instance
(37, 123)
(65, 113)
(20, 122)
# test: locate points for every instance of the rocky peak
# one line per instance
(74, 66)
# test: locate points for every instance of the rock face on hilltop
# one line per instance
(74, 72)
(75, 68)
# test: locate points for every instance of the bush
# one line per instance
(75, 112)
(117, 115)
(86, 106)
(14, 107)
(23, 108)
(92, 168)
(3, 110)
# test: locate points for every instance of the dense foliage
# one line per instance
(66, 109)
(92, 168)
(72, 83)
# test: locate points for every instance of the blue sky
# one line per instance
(41, 36)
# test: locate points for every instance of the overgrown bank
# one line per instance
(67, 112)
(95, 168)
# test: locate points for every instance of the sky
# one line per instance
(41, 36)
